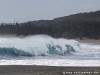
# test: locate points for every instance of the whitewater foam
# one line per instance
(37, 46)
(45, 50)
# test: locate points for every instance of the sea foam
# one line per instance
(38, 45)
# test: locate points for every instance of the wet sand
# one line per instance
(47, 70)
(91, 41)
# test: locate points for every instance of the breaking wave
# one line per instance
(39, 45)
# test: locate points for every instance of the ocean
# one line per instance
(48, 51)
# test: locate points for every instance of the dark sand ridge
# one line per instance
(46, 70)
(91, 41)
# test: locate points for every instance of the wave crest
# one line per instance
(37, 46)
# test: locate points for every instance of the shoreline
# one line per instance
(49, 70)
(45, 70)
(89, 41)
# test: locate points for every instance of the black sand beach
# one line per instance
(47, 70)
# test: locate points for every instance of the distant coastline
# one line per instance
(80, 25)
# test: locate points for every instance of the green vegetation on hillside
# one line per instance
(81, 25)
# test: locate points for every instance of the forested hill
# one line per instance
(80, 25)
(81, 16)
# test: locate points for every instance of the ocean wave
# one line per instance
(37, 46)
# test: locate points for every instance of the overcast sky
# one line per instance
(29, 10)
